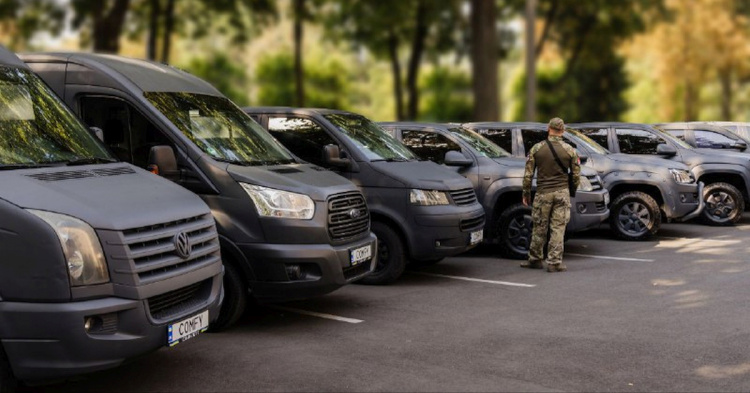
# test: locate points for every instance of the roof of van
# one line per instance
(489, 124)
(291, 109)
(420, 124)
(9, 58)
(129, 73)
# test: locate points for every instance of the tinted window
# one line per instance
(502, 137)
(637, 141)
(371, 139)
(481, 145)
(428, 146)
(712, 140)
(679, 134)
(531, 138)
(303, 137)
(598, 135)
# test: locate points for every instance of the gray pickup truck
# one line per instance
(645, 190)
(102, 262)
(497, 178)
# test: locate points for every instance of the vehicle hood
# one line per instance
(629, 162)
(517, 166)
(311, 180)
(110, 196)
(712, 156)
(425, 175)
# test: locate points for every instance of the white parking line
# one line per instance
(511, 284)
(700, 240)
(316, 314)
(606, 257)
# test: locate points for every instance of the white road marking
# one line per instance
(511, 284)
(606, 257)
(700, 240)
(316, 314)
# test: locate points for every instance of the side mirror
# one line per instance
(162, 162)
(332, 156)
(741, 145)
(666, 150)
(456, 158)
(584, 158)
(97, 132)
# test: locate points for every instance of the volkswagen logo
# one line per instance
(182, 245)
(354, 213)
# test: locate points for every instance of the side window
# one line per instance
(599, 135)
(502, 138)
(303, 137)
(712, 140)
(679, 134)
(531, 138)
(637, 141)
(127, 133)
(428, 146)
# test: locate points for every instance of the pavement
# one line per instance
(663, 315)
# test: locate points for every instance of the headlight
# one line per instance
(428, 198)
(585, 184)
(81, 248)
(682, 176)
(277, 203)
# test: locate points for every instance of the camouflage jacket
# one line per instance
(549, 175)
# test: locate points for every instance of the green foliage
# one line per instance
(28, 17)
(326, 82)
(446, 96)
(227, 76)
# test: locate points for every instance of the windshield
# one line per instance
(482, 145)
(37, 129)
(672, 138)
(370, 138)
(220, 128)
(584, 139)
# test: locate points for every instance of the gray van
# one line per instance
(101, 261)
(421, 211)
(288, 230)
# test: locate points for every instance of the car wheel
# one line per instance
(514, 230)
(391, 256)
(634, 215)
(235, 299)
(724, 204)
(8, 383)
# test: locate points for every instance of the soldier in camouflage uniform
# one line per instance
(551, 208)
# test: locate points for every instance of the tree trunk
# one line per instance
(153, 29)
(530, 60)
(725, 78)
(299, 76)
(396, 70)
(484, 56)
(108, 26)
(168, 28)
(417, 49)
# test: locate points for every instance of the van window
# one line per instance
(304, 137)
(633, 141)
(531, 138)
(429, 146)
(501, 137)
(372, 140)
(37, 129)
(712, 140)
(481, 145)
(598, 135)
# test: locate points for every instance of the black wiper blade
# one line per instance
(90, 160)
(8, 167)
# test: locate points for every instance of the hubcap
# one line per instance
(720, 205)
(634, 218)
(519, 233)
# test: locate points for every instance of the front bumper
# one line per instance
(324, 268)
(446, 233)
(48, 340)
(690, 209)
(588, 210)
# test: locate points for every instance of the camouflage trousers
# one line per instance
(550, 215)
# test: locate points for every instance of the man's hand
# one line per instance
(525, 201)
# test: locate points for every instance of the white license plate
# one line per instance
(476, 236)
(361, 254)
(187, 328)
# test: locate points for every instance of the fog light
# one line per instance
(437, 243)
(581, 208)
(293, 271)
(88, 323)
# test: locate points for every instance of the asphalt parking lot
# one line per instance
(664, 315)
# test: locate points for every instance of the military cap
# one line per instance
(557, 123)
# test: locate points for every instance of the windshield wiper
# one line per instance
(394, 159)
(23, 166)
(89, 161)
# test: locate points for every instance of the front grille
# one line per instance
(595, 183)
(463, 197)
(348, 216)
(179, 301)
(472, 223)
(154, 253)
(356, 271)
(600, 206)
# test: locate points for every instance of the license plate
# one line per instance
(476, 236)
(187, 328)
(361, 254)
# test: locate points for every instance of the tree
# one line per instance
(223, 73)
(106, 18)
(484, 60)
(447, 96)
(21, 19)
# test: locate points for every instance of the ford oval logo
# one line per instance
(354, 213)
(182, 245)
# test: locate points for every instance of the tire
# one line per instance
(391, 256)
(634, 216)
(235, 299)
(514, 230)
(724, 205)
(8, 383)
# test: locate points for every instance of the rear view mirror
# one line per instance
(666, 150)
(456, 158)
(97, 132)
(583, 158)
(332, 156)
(740, 145)
(162, 162)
